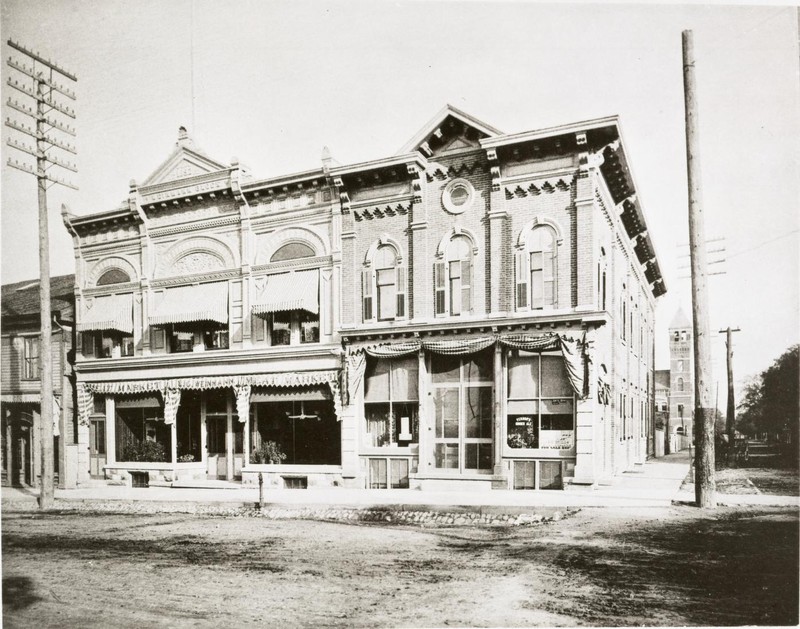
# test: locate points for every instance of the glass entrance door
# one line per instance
(462, 400)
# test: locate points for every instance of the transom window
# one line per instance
(540, 410)
(113, 276)
(453, 278)
(293, 251)
(537, 270)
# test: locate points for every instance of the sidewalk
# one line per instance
(653, 484)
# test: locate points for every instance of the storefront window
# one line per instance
(305, 431)
(391, 401)
(141, 434)
(462, 400)
(540, 405)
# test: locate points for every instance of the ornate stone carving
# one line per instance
(197, 262)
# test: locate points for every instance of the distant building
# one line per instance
(662, 397)
(681, 372)
(21, 384)
(475, 311)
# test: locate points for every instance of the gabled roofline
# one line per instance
(430, 126)
(540, 134)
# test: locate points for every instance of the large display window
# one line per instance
(391, 401)
(462, 403)
(540, 405)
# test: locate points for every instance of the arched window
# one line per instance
(293, 251)
(383, 286)
(680, 384)
(537, 270)
(113, 276)
(453, 278)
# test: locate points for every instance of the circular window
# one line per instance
(458, 196)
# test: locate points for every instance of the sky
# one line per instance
(273, 82)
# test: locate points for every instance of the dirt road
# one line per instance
(676, 566)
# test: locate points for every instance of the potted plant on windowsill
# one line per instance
(269, 453)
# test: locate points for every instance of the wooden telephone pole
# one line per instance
(730, 420)
(705, 482)
(42, 82)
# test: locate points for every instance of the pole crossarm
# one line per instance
(39, 77)
(61, 127)
(47, 100)
(32, 171)
(36, 57)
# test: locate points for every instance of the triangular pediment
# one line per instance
(186, 160)
(449, 130)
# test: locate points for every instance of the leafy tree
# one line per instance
(771, 402)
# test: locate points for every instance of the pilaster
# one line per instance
(586, 417)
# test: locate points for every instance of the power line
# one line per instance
(761, 244)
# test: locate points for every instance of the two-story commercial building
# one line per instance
(476, 309)
(21, 383)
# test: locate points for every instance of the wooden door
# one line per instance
(217, 427)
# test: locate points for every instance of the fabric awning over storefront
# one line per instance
(290, 394)
(242, 385)
(110, 312)
(571, 351)
(201, 302)
(289, 291)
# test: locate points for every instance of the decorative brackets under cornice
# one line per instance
(494, 168)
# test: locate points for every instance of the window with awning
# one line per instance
(200, 302)
(289, 291)
(287, 309)
(110, 312)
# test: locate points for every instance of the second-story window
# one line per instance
(453, 278)
(106, 325)
(106, 344)
(190, 319)
(30, 358)
(537, 272)
(383, 286)
(286, 308)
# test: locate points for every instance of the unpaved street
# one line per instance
(672, 566)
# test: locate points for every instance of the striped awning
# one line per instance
(289, 291)
(110, 312)
(201, 302)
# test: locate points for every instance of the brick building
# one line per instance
(476, 309)
(681, 375)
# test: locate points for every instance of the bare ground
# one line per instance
(611, 567)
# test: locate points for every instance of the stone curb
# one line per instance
(420, 515)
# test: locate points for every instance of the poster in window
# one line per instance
(556, 439)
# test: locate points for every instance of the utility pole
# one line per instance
(730, 420)
(42, 82)
(705, 481)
